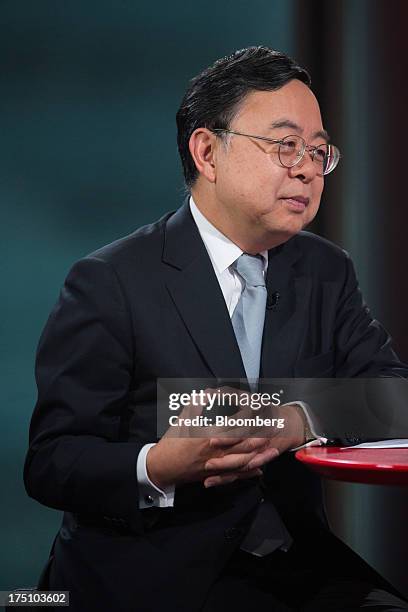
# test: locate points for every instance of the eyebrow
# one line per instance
(287, 123)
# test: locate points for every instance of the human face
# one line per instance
(258, 203)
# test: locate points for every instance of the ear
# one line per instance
(202, 145)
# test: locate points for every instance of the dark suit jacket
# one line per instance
(149, 306)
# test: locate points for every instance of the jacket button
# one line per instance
(149, 499)
(232, 533)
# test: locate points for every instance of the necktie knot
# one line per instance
(250, 268)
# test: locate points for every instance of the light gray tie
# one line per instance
(249, 314)
(267, 531)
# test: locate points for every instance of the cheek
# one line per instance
(317, 191)
(266, 179)
(245, 181)
(231, 173)
(315, 201)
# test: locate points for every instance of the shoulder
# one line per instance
(143, 243)
(321, 255)
(136, 255)
(318, 246)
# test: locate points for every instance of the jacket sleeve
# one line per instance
(363, 347)
(79, 459)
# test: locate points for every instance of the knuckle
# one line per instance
(246, 467)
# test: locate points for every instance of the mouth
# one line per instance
(296, 202)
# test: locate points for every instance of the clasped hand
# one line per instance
(220, 455)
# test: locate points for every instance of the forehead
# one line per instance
(294, 102)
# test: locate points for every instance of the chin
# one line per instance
(291, 229)
(276, 236)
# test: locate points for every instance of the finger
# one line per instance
(241, 445)
(250, 445)
(223, 442)
(229, 462)
(222, 479)
(262, 458)
(192, 410)
(215, 481)
(239, 427)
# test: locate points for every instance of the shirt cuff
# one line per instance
(318, 440)
(151, 496)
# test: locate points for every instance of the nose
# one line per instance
(306, 169)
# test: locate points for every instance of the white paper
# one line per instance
(401, 443)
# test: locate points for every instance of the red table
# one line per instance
(386, 466)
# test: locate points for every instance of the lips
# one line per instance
(297, 198)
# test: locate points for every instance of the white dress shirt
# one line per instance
(222, 253)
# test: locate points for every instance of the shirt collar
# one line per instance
(222, 251)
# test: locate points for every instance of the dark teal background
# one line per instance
(89, 92)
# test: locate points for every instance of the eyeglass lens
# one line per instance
(292, 148)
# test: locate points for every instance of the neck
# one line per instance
(251, 242)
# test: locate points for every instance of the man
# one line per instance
(174, 525)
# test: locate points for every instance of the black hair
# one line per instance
(214, 95)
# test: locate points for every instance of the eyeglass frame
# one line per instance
(306, 147)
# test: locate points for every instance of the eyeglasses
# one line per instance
(291, 149)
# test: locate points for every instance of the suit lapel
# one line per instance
(196, 293)
(197, 296)
(287, 297)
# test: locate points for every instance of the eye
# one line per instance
(289, 146)
(320, 153)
